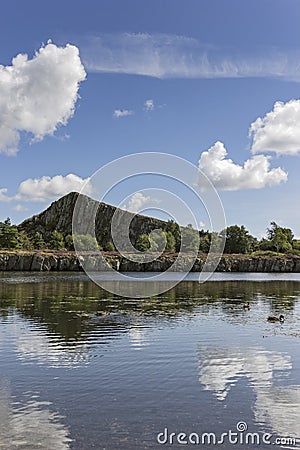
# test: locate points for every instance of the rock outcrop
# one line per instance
(59, 217)
(70, 262)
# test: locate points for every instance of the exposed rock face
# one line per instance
(68, 261)
(59, 217)
(38, 262)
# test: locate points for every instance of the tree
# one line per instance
(238, 240)
(24, 241)
(205, 240)
(190, 240)
(38, 241)
(69, 243)
(81, 242)
(296, 245)
(174, 228)
(143, 243)
(104, 237)
(157, 240)
(265, 245)
(271, 232)
(170, 242)
(280, 242)
(110, 247)
(9, 235)
(56, 241)
(280, 238)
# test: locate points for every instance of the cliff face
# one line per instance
(59, 217)
(39, 261)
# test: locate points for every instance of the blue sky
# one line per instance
(210, 68)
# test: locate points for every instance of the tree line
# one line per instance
(171, 239)
(11, 238)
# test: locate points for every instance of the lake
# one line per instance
(190, 368)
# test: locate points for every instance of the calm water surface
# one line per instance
(81, 368)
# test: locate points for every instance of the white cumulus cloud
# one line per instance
(278, 131)
(226, 175)
(122, 113)
(39, 94)
(47, 188)
(137, 201)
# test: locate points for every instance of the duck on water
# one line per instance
(276, 319)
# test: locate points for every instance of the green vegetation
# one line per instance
(38, 241)
(143, 243)
(281, 239)
(173, 228)
(9, 235)
(11, 239)
(238, 240)
(190, 240)
(57, 241)
(109, 247)
(157, 241)
(171, 239)
(81, 242)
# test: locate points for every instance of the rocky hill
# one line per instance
(60, 213)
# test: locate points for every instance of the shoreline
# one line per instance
(66, 261)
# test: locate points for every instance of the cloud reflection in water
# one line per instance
(277, 406)
(30, 424)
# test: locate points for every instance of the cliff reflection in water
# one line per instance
(74, 314)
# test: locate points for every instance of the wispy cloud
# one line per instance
(171, 56)
(118, 113)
